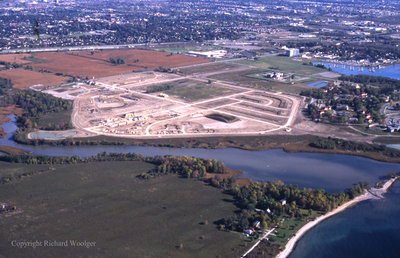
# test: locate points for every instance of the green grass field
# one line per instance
(206, 68)
(104, 202)
(13, 169)
(244, 79)
(284, 64)
(191, 90)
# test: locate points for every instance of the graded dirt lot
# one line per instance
(86, 64)
(15, 58)
(153, 104)
(23, 79)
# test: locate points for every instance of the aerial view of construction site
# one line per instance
(161, 104)
(171, 96)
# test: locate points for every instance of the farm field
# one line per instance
(15, 58)
(106, 203)
(144, 59)
(23, 79)
(86, 64)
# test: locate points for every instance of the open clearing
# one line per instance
(23, 79)
(104, 202)
(284, 64)
(208, 68)
(15, 58)
(86, 64)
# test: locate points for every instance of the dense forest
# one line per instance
(37, 103)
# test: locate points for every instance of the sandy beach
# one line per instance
(373, 193)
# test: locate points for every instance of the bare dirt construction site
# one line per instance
(155, 104)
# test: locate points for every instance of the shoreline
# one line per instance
(372, 193)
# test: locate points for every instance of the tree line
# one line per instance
(188, 167)
(335, 143)
(34, 104)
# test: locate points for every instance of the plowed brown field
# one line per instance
(22, 78)
(86, 64)
(15, 58)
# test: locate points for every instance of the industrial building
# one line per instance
(209, 54)
(293, 52)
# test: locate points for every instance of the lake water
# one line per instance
(392, 71)
(394, 146)
(370, 229)
(332, 172)
(318, 84)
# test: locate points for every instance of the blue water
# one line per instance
(332, 172)
(318, 84)
(392, 71)
(369, 229)
(394, 146)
